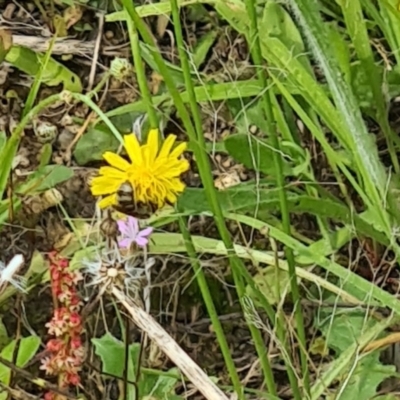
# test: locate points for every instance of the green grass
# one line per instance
(313, 61)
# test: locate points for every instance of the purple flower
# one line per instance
(130, 233)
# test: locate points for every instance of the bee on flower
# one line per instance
(148, 180)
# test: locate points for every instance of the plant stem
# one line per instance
(141, 74)
(208, 300)
(206, 176)
(267, 101)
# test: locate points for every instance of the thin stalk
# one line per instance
(268, 100)
(206, 176)
(141, 74)
(208, 300)
(235, 262)
(199, 273)
(100, 85)
(30, 101)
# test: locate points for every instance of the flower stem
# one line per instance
(141, 74)
(206, 175)
(208, 300)
(267, 101)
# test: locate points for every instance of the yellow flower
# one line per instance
(153, 172)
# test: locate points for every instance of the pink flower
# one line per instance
(131, 234)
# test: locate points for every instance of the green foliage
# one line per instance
(257, 154)
(92, 145)
(273, 283)
(363, 376)
(53, 75)
(112, 353)
(27, 348)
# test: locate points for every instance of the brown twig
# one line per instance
(168, 345)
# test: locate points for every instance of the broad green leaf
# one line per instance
(162, 7)
(234, 11)
(46, 178)
(92, 145)
(55, 73)
(233, 199)
(366, 378)
(112, 353)
(257, 154)
(205, 93)
(340, 366)
(247, 198)
(27, 349)
(342, 330)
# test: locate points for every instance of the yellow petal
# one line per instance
(177, 185)
(133, 149)
(171, 197)
(103, 185)
(108, 201)
(112, 173)
(116, 161)
(152, 145)
(178, 150)
(169, 170)
(167, 146)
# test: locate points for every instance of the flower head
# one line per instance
(131, 233)
(153, 171)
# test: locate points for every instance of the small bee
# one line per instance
(128, 205)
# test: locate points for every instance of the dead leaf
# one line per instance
(227, 180)
(5, 43)
(162, 23)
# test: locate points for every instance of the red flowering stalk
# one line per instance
(65, 347)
